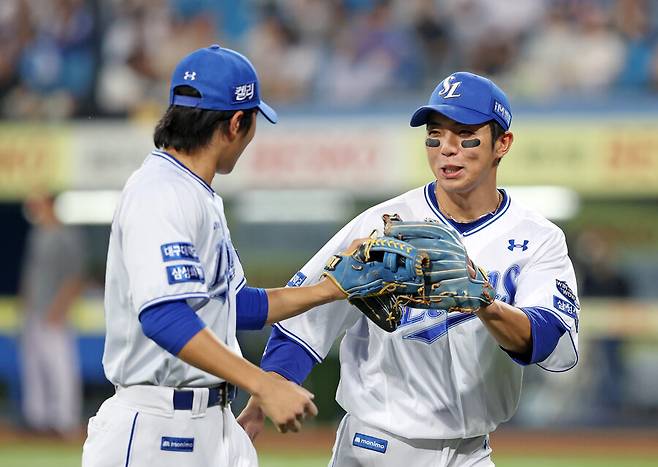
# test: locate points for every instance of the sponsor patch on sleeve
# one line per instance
(185, 273)
(168, 443)
(370, 442)
(176, 251)
(565, 307)
(567, 293)
(297, 280)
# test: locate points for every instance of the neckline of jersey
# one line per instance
(168, 157)
(466, 228)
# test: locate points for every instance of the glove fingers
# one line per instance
(442, 275)
(410, 230)
(440, 250)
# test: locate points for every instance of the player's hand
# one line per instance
(331, 288)
(285, 403)
(252, 419)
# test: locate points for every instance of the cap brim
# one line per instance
(458, 114)
(268, 111)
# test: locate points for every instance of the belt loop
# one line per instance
(200, 402)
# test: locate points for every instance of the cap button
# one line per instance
(215, 46)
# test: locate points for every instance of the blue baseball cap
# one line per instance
(467, 98)
(225, 79)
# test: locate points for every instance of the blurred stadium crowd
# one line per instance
(78, 58)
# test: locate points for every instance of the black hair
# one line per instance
(188, 129)
(496, 131)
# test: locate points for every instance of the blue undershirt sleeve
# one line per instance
(286, 357)
(171, 325)
(252, 307)
(546, 330)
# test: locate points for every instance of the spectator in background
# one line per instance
(432, 35)
(598, 53)
(633, 20)
(372, 55)
(51, 281)
(276, 47)
(56, 62)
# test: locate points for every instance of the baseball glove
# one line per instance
(452, 281)
(376, 274)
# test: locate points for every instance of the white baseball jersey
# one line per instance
(443, 376)
(169, 241)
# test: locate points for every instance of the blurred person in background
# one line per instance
(370, 55)
(51, 281)
(290, 63)
(56, 62)
(633, 20)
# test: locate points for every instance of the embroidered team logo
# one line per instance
(244, 92)
(189, 76)
(512, 245)
(448, 88)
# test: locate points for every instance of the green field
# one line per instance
(52, 456)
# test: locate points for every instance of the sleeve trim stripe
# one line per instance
(566, 369)
(554, 313)
(241, 285)
(168, 298)
(299, 341)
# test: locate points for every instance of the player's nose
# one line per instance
(449, 144)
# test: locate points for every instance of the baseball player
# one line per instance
(52, 279)
(432, 391)
(176, 292)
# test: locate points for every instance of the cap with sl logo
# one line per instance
(225, 79)
(467, 98)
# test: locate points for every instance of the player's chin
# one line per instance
(226, 168)
(453, 185)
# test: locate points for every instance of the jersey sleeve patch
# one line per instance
(567, 293)
(565, 307)
(177, 251)
(185, 273)
(297, 280)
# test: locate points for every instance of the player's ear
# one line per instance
(235, 124)
(503, 144)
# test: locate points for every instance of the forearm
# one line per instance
(206, 352)
(286, 302)
(65, 297)
(508, 325)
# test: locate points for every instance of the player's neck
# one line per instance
(202, 162)
(468, 207)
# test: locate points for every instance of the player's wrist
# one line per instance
(487, 311)
(257, 386)
(329, 291)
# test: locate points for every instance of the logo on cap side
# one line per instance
(191, 75)
(449, 88)
(244, 92)
(502, 112)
